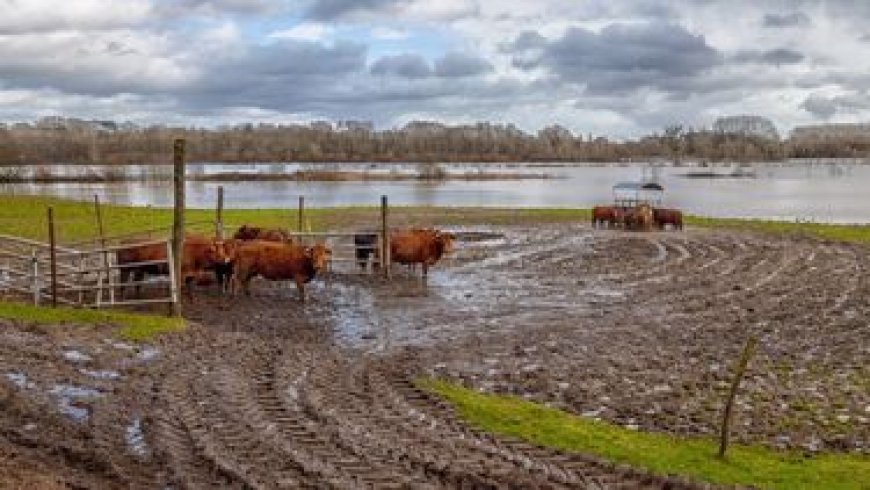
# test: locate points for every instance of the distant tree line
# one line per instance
(415, 142)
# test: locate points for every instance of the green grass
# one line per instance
(26, 216)
(660, 453)
(131, 326)
(840, 233)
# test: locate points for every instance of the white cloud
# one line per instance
(389, 34)
(308, 31)
(18, 16)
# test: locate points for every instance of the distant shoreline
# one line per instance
(436, 175)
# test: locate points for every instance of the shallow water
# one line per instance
(834, 191)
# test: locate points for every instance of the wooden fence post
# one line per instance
(739, 371)
(219, 218)
(52, 248)
(301, 213)
(34, 270)
(177, 222)
(385, 241)
(108, 271)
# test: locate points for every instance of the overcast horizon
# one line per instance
(615, 68)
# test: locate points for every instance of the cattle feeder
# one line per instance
(637, 206)
(627, 195)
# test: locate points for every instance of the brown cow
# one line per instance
(199, 253)
(664, 217)
(246, 232)
(606, 216)
(639, 218)
(421, 246)
(278, 262)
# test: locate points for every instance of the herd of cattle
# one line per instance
(642, 217)
(271, 254)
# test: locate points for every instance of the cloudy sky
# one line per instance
(615, 67)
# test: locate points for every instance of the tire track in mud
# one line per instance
(696, 303)
(314, 417)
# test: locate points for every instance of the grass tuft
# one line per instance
(132, 326)
(661, 454)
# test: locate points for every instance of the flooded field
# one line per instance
(832, 191)
(635, 329)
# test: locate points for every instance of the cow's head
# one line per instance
(221, 251)
(445, 240)
(320, 256)
(231, 249)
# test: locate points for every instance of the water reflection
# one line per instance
(829, 192)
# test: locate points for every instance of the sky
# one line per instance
(618, 68)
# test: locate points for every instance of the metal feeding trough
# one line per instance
(632, 194)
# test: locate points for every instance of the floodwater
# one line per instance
(829, 191)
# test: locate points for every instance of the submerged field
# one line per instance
(630, 329)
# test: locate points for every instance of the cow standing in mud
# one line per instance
(365, 246)
(664, 217)
(606, 216)
(639, 218)
(278, 262)
(199, 254)
(247, 233)
(422, 246)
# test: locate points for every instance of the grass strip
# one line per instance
(659, 453)
(132, 326)
(25, 216)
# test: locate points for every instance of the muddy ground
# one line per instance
(636, 329)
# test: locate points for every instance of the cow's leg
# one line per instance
(188, 287)
(246, 284)
(425, 267)
(235, 282)
(300, 286)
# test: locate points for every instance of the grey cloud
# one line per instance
(795, 19)
(455, 64)
(821, 107)
(325, 10)
(405, 65)
(622, 57)
(229, 6)
(826, 107)
(778, 57)
(267, 74)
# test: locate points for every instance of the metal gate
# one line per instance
(87, 276)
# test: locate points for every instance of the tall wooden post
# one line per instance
(219, 214)
(301, 213)
(385, 234)
(52, 248)
(178, 221)
(102, 232)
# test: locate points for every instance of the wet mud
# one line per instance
(268, 392)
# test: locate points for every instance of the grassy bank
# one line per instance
(26, 216)
(841, 233)
(131, 326)
(659, 453)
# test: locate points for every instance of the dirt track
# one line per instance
(637, 329)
